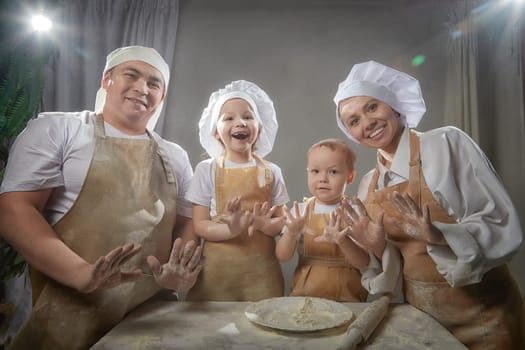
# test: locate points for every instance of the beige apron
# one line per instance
(128, 196)
(242, 268)
(322, 270)
(486, 315)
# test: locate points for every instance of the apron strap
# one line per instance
(414, 182)
(219, 178)
(301, 249)
(168, 170)
(99, 126)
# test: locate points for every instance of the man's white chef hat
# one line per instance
(261, 105)
(397, 89)
(135, 53)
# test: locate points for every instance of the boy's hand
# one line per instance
(331, 229)
(366, 232)
(296, 223)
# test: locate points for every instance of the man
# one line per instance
(93, 202)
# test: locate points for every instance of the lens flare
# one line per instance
(418, 60)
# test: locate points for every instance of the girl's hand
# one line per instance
(106, 271)
(331, 230)
(296, 223)
(237, 220)
(181, 271)
(262, 216)
(366, 232)
(414, 222)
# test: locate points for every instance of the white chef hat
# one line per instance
(135, 53)
(397, 89)
(261, 105)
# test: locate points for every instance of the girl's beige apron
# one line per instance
(322, 270)
(128, 196)
(242, 268)
(486, 315)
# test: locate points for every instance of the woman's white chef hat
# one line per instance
(261, 105)
(135, 53)
(397, 89)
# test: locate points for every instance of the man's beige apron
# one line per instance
(128, 196)
(242, 268)
(322, 270)
(486, 315)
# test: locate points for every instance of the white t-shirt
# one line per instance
(55, 150)
(202, 187)
(487, 232)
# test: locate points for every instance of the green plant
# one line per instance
(22, 63)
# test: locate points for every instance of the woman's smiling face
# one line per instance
(371, 122)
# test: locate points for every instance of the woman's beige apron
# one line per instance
(242, 268)
(486, 315)
(128, 196)
(322, 270)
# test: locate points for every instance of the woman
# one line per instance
(436, 198)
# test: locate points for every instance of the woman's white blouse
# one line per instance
(487, 232)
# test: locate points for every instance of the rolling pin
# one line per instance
(365, 324)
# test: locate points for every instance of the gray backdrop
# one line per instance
(298, 51)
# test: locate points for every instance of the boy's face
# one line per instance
(328, 174)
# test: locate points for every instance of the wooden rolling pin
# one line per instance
(365, 324)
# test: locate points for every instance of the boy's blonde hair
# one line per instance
(337, 145)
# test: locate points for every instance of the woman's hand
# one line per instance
(106, 271)
(332, 232)
(181, 271)
(415, 222)
(237, 220)
(366, 232)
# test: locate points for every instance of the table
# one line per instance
(223, 325)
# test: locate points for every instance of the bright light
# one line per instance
(41, 23)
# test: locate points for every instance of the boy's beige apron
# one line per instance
(242, 268)
(128, 196)
(486, 315)
(322, 270)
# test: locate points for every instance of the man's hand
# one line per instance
(181, 271)
(106, 271)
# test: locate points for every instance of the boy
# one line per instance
(328, 259)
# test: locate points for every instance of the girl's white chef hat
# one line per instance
(397, 89)
(135, 53)
(261, 105)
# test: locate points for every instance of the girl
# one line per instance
(238, 197)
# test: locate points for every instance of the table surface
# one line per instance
(223, 325)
